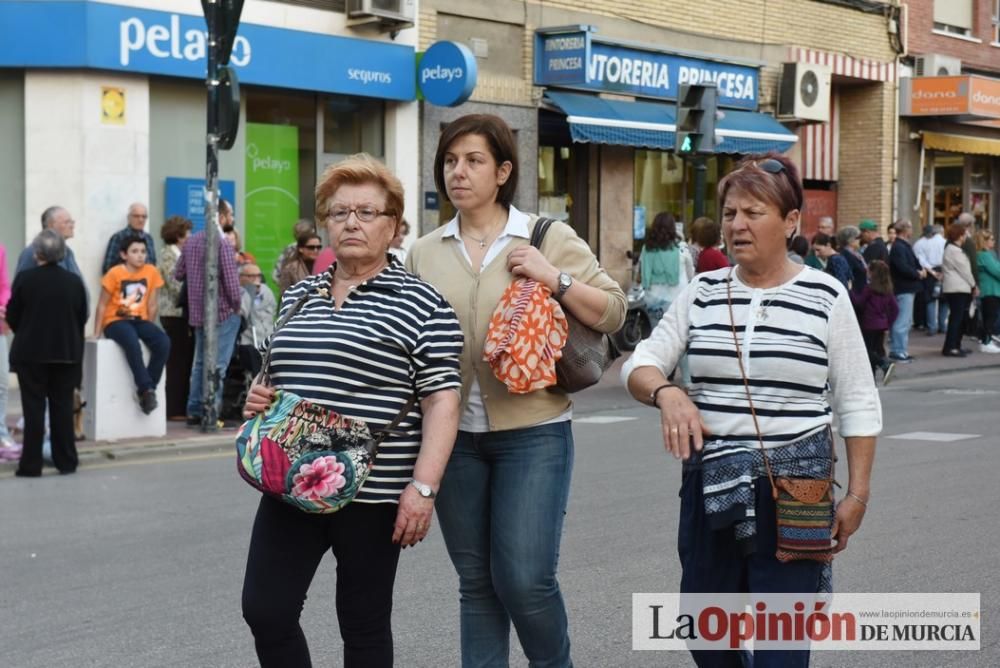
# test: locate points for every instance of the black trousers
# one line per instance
(53, 382)
(875, 345)
(178, 364)
(991, 318)
(958, 304)
(287, 546)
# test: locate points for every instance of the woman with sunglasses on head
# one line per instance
(505, 490)
(772, 348)
(307, 248)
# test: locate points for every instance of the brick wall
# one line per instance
(920, 38)
(865, 186)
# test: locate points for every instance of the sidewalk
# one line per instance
(180, 439)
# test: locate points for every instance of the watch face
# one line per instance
(565, 280)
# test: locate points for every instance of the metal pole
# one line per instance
(210, 334)
(700, 168)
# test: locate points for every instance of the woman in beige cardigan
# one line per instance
(504, 493)
(958, 287)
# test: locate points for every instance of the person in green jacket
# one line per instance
(988, 272)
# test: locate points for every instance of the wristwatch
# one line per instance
(565, 280)
(425, 491)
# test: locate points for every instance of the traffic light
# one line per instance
(696, 116)
(225, 20)
(228, 107)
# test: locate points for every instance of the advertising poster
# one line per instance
(272, 191)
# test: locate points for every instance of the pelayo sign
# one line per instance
(447, 74)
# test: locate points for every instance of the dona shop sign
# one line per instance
(579, 60)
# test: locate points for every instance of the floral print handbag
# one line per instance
(305, 454)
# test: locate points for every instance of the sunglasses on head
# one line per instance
(771, 166)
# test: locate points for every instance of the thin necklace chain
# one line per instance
(482, 242)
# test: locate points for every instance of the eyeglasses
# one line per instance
(366, 214)
(771, 166)
(314, 247)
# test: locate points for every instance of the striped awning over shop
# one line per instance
(961, 143)
(847, 66)
(652, 125)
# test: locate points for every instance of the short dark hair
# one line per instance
(800, 245)
(499, 137)
(304, 239)
(782, 188)
(822, 239)
(128, 240)
(663, 232)
(174, 228)
(955, 232)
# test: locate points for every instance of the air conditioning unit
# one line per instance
(937, 65)
(390, 14)
(804, 92)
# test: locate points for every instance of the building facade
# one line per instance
(104, 103)
(949, 131)
(596, 138)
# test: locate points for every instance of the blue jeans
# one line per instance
(128, 334)
(937, 315)
(501, 507)
(226, 331)
(899, 335)
(712, 561)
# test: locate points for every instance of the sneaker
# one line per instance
(901, 359)
(887, 372)
(147, 401)
(989, 347)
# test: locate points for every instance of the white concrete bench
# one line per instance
(112, 411)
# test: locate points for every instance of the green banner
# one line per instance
(272, 192)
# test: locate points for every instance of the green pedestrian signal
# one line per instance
(686, 146)
(696, 116)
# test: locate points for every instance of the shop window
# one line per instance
(953, 17)
(659, 186)
(948, 172)
(980, 178)
(554, 199)
(353, 125)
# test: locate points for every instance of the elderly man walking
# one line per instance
(135, 227)
(907, 276)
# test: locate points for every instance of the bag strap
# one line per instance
(746, 388)
(265, 365)
(542, 226)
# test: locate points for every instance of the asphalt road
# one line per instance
(139, 562)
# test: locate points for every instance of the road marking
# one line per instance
(937, 436)
(602, 419)
(964, 392)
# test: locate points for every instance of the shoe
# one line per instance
(954, 352)
(20, 473)
(989, 347)
(931, 332)
(887, 372)
(193, 421)
(995, 339)
(901, 359)
(147, 401)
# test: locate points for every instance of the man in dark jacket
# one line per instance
(907, 275)
(47, 311)
(872, 246)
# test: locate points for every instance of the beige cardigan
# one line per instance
(474, 297)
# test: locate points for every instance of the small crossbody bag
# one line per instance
(804, 506)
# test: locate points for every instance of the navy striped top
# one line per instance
(394, 335)
(802, 351)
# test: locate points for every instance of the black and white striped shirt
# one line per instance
(802, 351)
(393, 335)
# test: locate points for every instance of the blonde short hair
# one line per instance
(359, 169)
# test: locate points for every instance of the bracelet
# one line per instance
(652, 395)
(857, 498)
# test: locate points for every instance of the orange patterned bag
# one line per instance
(526, 336)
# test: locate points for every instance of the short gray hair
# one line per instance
(966, 218)
(846, 235)
(49, 247)
(902, 225)
(49, 214)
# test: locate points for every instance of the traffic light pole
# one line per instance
(700, 168)
(210, 331)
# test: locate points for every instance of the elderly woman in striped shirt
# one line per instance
(773, 349)
(368, 338)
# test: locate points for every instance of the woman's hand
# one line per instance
(413, 519)
(847, 520)
(528, 261)
(259, 398)
(681, 422)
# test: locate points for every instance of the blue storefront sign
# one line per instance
(447, 74)
(186, 197)
(96, 35)
(579, 60)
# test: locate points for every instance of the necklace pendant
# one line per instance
(482, 244)
(762, 313)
